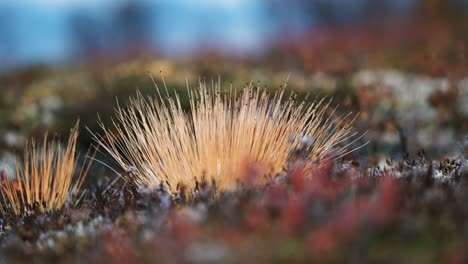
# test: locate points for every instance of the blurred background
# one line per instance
(55, 32)
(401, 63)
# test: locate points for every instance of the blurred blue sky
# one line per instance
(39, 31)
(58, 31)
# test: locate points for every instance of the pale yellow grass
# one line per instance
(45, 178)
(154, 141)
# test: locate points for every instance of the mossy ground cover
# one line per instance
(390, 201)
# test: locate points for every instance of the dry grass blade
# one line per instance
(155, 141)
(44, 178)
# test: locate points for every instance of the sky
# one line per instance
(39, 31)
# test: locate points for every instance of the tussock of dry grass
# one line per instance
(44, 178)
(155, 141)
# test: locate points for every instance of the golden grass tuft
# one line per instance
(155, 141)
(44, 178)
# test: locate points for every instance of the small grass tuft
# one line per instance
(44, 179)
